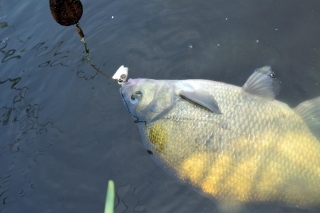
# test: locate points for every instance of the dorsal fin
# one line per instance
(310, 112)
(262, 83)
(201, 98)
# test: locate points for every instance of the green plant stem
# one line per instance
(110, 198)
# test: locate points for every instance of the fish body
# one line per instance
(234, 144)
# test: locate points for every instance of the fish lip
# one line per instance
(122, 90)
(135, 118)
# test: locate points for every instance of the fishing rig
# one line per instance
(69, 12)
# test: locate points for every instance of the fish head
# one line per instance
(148, 99)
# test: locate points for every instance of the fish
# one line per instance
(236, 145)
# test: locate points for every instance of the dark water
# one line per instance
(64, 131)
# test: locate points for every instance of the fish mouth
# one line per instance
(134, 117)
(124, 87)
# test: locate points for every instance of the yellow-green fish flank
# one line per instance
(158, 136)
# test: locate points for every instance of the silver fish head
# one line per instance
(148, 99)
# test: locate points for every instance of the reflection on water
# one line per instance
(27, 133)
(21, 113)
(8, 54)
(3, 24)
(64, 131)
(21, 123)
(133, 197)
(42, 50)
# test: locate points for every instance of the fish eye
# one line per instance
(136, 97)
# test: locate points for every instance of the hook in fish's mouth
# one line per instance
(134, 117)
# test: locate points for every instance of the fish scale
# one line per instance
(246, 148)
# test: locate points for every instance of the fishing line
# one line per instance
(69, 12)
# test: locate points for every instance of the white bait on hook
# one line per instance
(121, 75)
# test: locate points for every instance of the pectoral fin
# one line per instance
(201, 98)
(262, 83)
(230, 207)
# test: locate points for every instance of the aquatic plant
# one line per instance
(109, 198)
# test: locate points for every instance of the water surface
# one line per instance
(64, 131)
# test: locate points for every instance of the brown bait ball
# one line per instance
(66, 12)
